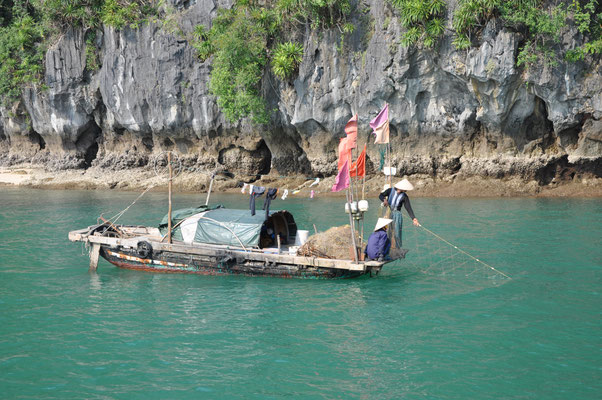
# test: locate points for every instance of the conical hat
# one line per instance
(382, 222)
(404, 184)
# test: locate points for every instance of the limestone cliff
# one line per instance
(452, 113)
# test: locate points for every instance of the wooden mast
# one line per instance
(349, 202)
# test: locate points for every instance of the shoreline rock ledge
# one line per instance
(455, 116)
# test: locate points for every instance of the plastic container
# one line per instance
(389, 171)
(301, 237)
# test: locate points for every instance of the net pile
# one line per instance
(334, 243)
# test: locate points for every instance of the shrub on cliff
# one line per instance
(21, 51)
(422, 19)
(241, 42)
(27, 29)
(286, 59)
(540, 22)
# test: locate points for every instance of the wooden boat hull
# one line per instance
(141, 248)
(168, 262)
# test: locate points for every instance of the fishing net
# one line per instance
(437, 259)
(334, 243)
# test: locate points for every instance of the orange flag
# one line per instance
(344, 152)
(351, 131)
(358, 168)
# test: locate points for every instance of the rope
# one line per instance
(463, 252)
(120, 214)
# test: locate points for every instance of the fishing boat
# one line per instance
(216, 241)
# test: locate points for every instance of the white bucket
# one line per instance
(301, 237)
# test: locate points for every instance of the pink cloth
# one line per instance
(344, 152)
(351, 131)
(381, 118)
(342, 180)
(382, 133)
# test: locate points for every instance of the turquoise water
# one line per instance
(437, 325)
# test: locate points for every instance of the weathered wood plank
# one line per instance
(94, 254)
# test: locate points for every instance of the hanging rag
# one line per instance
(257, 192)
(270, 195)
(244, 188)
(251, 189)
(315, 182)
(383, 151)
(311, 195)
(285, 195)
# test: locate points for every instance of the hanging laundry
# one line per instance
(257, 191)
(296, 191)
(251, 189)
(270, 195)
(315, 182)
(311, 195)
(383, 151)
(285, 194)
(244, 187)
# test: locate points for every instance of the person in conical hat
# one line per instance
(395, 198)
(378, 243)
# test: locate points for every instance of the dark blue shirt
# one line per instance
(391, 195)
(378, 245)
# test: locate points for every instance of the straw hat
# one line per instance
(404, 184)
(382, 222)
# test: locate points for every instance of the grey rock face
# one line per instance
(451, 112)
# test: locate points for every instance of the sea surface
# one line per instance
(437, 325)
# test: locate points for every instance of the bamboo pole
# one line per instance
(210, 186)
(352, 229)
(169, 197)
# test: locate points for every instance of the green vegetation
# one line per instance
(21, 51)
(588, 18)
(245, 39)
(470, 17)
(28, 28)
(540, 23)
(286, 59)
(423, 21)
